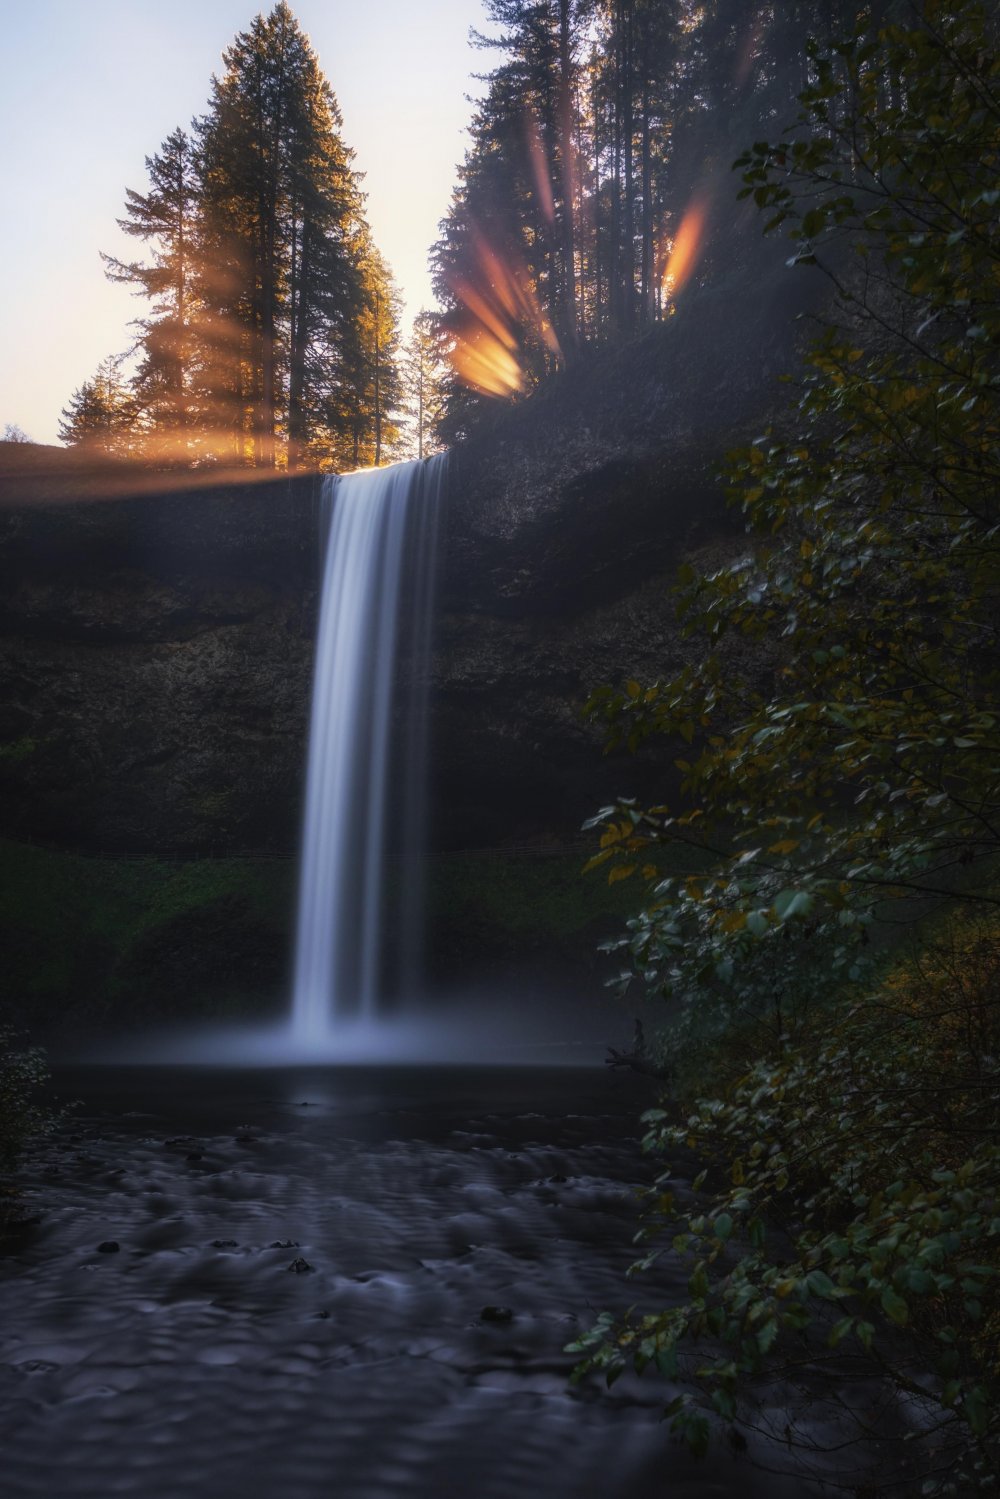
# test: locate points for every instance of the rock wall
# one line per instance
(567, 522)
(156, 632)
(155, 665)
(155, 652)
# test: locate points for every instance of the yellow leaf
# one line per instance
(736, 1174)
(633, 689)
(596, 860)
(620, 872)
(784, 846)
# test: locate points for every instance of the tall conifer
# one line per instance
(271, 336)
(166, 217)
(101, 416)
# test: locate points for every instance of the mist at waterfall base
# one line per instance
(358, 994)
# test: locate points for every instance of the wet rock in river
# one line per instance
(496, 1314)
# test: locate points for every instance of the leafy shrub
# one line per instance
(848, 1119)
(852, 1180)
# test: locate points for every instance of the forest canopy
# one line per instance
(597, 177)
(595, 185)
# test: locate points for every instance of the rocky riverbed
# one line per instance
(336, 1281)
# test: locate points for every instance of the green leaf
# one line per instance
(840, 1330)
(895, 1307)
(766, 1335)
(820, 1284)
(791, 903)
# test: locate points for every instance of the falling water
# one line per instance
(365, 793)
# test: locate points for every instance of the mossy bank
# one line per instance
(97, 944)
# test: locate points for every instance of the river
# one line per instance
(349, 1283)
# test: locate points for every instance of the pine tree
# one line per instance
(101, 416)
(262, 337)
(327, 281)
(603, 142)
(365, 404)
(423, 376)
(282, 212)
(165, 216)
(519, 183)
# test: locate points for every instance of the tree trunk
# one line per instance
(298, 342)
(647, 210)
(378, 387)
(628, 132)
(566, 156)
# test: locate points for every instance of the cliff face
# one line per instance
(156, 633)
(566, 525)
(154, 661)
(156, 646)
(155, 665)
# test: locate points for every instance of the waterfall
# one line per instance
(365, 792)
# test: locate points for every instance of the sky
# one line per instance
(88, 90)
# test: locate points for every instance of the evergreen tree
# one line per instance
(365, 405)
(326, 229)
(241, 141)
(271, 335)
(601, 147)
(423, 377)
(101, 416)
(519, 187)
(166, 216)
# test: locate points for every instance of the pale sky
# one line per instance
(89, 88)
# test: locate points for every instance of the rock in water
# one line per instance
(496, 1314)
